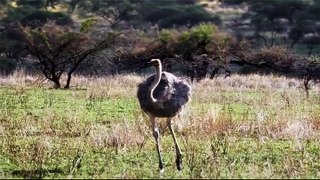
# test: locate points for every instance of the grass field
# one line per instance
(236, 127)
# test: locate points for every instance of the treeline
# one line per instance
(93, 37)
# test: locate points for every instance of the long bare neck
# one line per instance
(155, 83)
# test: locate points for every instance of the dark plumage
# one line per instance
(172, 93)
(163, 95)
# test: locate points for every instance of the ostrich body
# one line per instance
(163, 95)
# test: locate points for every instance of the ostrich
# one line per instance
(163, 95)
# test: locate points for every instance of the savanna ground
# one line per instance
(237, 127)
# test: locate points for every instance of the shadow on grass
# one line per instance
(35, 174)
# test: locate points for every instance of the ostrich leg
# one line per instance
(178, 151)
(156, 135)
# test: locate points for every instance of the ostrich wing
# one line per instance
(171, 92)
(182, 92)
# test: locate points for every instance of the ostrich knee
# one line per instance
(156, 134)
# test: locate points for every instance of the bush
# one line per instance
(168, 14)
(192, 50)
(39, 18)
(7, 65)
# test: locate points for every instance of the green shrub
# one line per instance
(7, 65)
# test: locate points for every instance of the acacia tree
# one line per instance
(169, 14)
(27, 13)
(113, 11)
(60, 50)
(273, 17)
(311, 42)
(273, 20)
(196, 51)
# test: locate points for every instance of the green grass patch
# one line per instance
(47, 133)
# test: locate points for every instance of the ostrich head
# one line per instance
(155, 62)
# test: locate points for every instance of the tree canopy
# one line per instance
(198, 37)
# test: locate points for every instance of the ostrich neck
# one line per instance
(155, 83)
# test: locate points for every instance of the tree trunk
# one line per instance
(214, 72)
(259, 36)
(191, 73)
(310, 47)
(67, 86)
(295, 40)
(57, 84)
(273, 38)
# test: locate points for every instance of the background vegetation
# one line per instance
(194, 37)
(239, 124)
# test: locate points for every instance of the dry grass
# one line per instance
(216, 94)
(222, 113)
